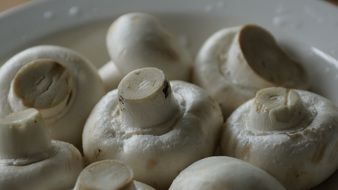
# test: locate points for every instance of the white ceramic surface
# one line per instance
(308, 30)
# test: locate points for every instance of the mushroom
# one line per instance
(222, 172)
(241, 60)
(155, 127)
(30, 160)
(137, 40)
(58, 82)
(291, 134)
(109, 174)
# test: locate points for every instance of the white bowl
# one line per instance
(306, 29)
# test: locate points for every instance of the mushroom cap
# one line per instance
(137, 40)
(239, 61)
(154, 155)
(58, 82)
(300, 155)
(108, 175)
(222, 172)
(59, 171)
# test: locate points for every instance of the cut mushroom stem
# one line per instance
(30, 160)
(146, 99)
(110, 75)
(23, 140)
(266, 64)
(108, 174)
(43, 84)
(277, 109)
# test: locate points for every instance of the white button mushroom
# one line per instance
(58, 82)
(241, 60)
(30, 160)
(108, 174)
(137, 40)
(291, 134)
(155, 127)
(224, 173)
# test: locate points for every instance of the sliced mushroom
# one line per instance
(222, 172)
(58, 82)
(291, 134)
(241, 60)
(137, 40)
(30, 160)
(108, 174)
(155, 127)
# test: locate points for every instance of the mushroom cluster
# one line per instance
(291, 134)
(161, 132)
(221, 172)
(58, 82)
(156, 127)
(30, 160)
(241, 60)
(137, 40)
(108, 174)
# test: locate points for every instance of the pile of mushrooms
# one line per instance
(58, 82)
(291, 134)
(241, 60)
(221, 172)
(109, 174)
(30, 160)
(154, 126)
(164, 132)
(137, 40)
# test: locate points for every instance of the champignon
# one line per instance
(108, 174)
(137, 40)
(58, 82)
(241, 60)
(291, 134)
(155, 127)
(222, 172)
(30, 160)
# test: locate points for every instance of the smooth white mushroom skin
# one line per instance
(137, 40)
(291, 134)
(58, 82)
(30, 160)
(241, 60)
(110, 175)
(222, 172)
(110, 75)
(155, 127)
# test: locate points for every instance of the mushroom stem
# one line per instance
(110, 75)
(241, 73)
(255, 59)
(43, 84)
(106, 174)
(146, 99)
(277, 109)
(23, 138)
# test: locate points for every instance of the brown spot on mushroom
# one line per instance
(121, 99)
(151, 163)
(166, 89)
(97, 154)
(245, 151)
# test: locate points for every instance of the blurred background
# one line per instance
(6, 4)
